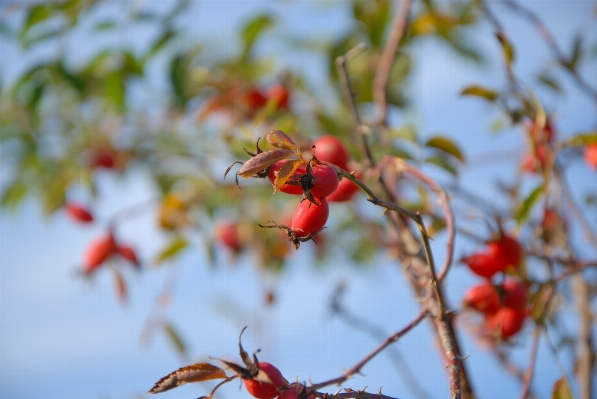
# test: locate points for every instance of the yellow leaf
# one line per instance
(285, 173)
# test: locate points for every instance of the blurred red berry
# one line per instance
(590, 155)
(506, 322)
(483, 298)
(79, 213)
(228, 234)
(128, 253)
(483, 264)
(103, 158)
(331, 149)
(345, 191)
(506, 252)
(279, 94)
(97, 252)
(516, 294)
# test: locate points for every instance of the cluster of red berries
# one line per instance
(319, 184)
(504, 306)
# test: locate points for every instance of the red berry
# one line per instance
(79, 213)
(483, 264)
(103, 158)
(97, 252)
(309, 218)
(331, 149)
(590, 155)
(345, 191)
(326, 181)
(264, 390)
(506, 322)
(128, 253)
(279, 94)
(286, 188)
(515, 294)
(483, 298)
(506, 252)
(227, 234)
(255, 100)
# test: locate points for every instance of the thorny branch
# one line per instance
(357, 367)
(435, 303)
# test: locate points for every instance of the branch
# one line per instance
(551, 42)
(382, 74)
(357, 367)
(528, 375)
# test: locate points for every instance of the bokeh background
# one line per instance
(63, 336)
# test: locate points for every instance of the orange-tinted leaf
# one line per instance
(262, 161)
(278, 138)
(121, 291)
(196, 373)
(285, 172)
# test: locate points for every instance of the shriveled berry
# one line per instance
(331, 149)
(483, 298)
(309, 218)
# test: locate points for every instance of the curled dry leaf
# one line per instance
(196, 373)
(278, 138)
(263, 160)
(286, 171)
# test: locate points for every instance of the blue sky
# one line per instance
(63, 337)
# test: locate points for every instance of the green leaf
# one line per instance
(131, 65)
(175, 338)
(576, 53)
(582, 139)
(561, 389)
(103, 26)
(550, 82)
(172, 249)
(179, 76)
(479, 91)
(443, 143)
(37, 14)
(14, 194)
(506, 48)
(405, 132)
(166, 36)
(443, 163)
(252, 30)
(526, 208)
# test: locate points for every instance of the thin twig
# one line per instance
(528, 375)
(357, 367)
(553, 45)
(386, 61)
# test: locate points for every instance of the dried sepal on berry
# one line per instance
(292, 236)
(196, 373)
(279, 139)
(286, 173)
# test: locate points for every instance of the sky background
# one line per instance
(65, 337)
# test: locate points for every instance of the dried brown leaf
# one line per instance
(196, 373)
(285, 172)
(262, 161)
(278, 138)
